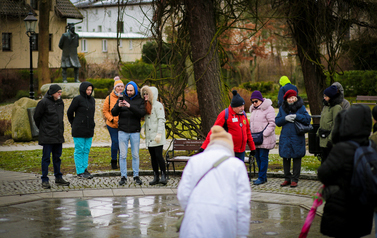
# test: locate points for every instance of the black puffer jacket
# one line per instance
(344, 215)
(129, 118)
(81, 113)
(48, 118)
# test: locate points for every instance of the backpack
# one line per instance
(225, 126)
(364, 176)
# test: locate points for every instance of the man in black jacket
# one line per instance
(130, 111)
(48, 118)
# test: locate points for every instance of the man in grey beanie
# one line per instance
(48, 118)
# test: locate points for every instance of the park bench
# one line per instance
(366, 98)
(191, 147)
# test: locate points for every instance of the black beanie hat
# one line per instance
(53, 89)
(237, 100)
(331, 91)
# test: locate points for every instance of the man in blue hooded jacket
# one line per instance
(285, 86)
(130, 111)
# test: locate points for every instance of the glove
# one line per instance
(252, 152)
(290, 118)
(200, 150)
(158, 138)
(142, 132)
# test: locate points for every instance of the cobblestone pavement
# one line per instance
(32, 185)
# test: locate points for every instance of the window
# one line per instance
(34, 42)
(6, 41)
(130, 29)
(94, 30)
(120, 27)
(99, 28)
(120, 43)
(109, 30)
(130, 44)
(34, 4)
(79, 28)
(104, 45)
(84, 46)
(50, 42)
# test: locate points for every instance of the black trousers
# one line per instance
(296, 169)
(157, 159)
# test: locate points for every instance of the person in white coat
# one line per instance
(219, 205)
(154, 132)
(262, 119)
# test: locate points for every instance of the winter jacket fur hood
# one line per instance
(155, 122)
(292, 145)
(260, 117)
(81, 113)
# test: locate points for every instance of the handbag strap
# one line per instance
(216, 164)
(266, 127)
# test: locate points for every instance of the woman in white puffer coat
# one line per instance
(262, 118)
(154, 128)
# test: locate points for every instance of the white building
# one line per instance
(98, 29)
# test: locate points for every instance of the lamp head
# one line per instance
(30, 23)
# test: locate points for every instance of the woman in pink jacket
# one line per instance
(262, 119)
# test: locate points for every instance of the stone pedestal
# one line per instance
(70, 90)
(21, 129)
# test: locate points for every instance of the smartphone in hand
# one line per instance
(121, 98)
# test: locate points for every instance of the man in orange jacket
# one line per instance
(234, 120)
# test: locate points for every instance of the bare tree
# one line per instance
(43, 42)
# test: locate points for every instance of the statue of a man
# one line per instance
(69, 43)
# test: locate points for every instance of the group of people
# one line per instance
(223, 150)
(123, 109)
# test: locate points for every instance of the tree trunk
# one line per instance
(43, 43)
(212, 96)
(303, 24)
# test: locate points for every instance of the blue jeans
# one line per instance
(261, 156)
(56, 150)
(124, 138)
(114, 142)
(81, 154)
(241, 155)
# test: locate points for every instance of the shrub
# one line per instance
(263, 87)
(358, 82)
(101, 92)
(22, 93)
(139, 70)
(5, 127)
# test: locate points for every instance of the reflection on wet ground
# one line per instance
(151, 216)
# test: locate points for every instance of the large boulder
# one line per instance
(21, 129)
(70, 90)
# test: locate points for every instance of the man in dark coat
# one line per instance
(69, 43)
(48, 118)
(344, 215)
(130, 111)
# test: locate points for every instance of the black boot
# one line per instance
(114, 164)
(155, 180)
(163, 178)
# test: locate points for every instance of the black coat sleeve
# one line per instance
(71, 110)
(116, 109)
(39, 111)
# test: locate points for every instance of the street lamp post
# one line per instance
(30, 24)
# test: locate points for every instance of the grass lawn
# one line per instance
(99, 161)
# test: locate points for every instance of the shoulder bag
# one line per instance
(301, 129)
(258, 136)
(216, 164)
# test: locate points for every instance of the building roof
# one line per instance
(12, 8)
(65, 9)
(111, 35)
(107, 3)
